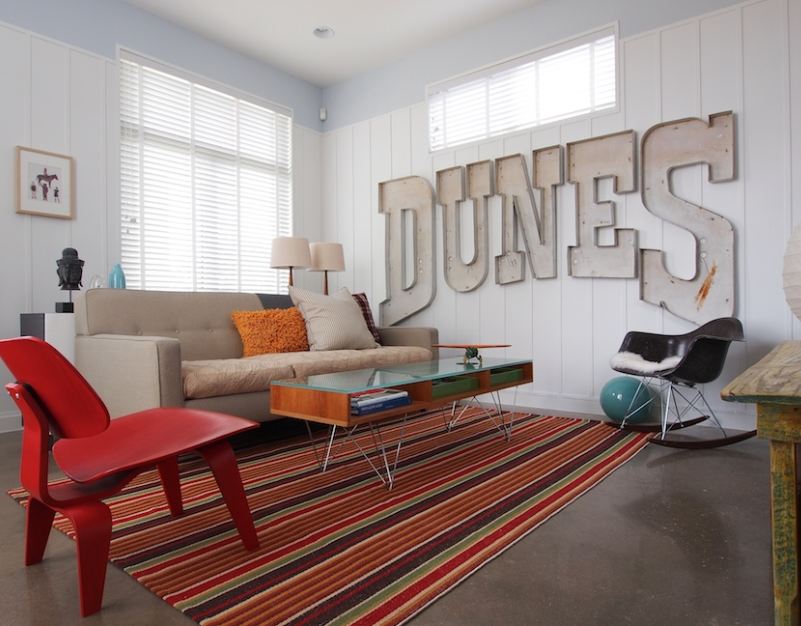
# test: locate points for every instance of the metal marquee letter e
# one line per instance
(403, 199)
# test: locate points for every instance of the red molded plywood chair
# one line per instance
(100, 456)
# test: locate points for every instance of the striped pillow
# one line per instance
(364, 305)
(332, 322)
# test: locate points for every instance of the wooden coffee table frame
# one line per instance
(334, 408)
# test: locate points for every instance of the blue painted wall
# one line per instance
(402, 83)
(100, 25)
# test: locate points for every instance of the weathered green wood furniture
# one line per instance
(774, 385)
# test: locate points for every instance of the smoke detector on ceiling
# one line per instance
(324, 32)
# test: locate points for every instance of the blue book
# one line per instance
(375, 407)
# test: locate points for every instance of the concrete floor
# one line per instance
(672, 537)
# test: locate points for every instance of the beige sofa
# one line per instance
(143, 349)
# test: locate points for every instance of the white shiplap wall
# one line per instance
(63, 99)
(746, 59)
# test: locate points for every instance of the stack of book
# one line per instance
(374, 400)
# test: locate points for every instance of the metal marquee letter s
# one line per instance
(665, 147)
(401, 199)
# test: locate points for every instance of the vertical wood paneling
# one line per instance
(519, 297)
(733, 59)
(362, 207)
(381, 170)
(112, 217)
(14, 229)
(491, 302)
(764, 172)
(577, 299)
(444, 305)
(345, 213)
(721, 74)
(468, 320)
(546, 303)
(794, 39)
(50, 130)
(642, 109)
(421, 166)
(87, 108)
(609, 319)
(329, 199)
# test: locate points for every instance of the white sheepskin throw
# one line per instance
(635, 363)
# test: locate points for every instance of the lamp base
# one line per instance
(65, 307)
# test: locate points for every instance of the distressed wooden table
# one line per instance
(774, 385)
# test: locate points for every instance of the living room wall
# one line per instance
(743, 58)
(64, 99)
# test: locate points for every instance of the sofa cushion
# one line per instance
(310, 363)
(333, 322)
(271, 331)
(206, 379)
(220, 377)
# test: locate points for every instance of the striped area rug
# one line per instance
(337, 547)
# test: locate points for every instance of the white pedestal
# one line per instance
(57, 329)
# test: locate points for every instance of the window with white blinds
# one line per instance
(572, 79)
(206, 183)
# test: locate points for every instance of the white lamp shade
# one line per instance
(327, 256)
(792, 272)
(290, 252)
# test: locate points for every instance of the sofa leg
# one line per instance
(38, 522)
(171, 482)
(222, 461)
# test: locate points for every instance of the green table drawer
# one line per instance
(506, 375)
(453, 386)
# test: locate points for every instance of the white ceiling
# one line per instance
(369, 33)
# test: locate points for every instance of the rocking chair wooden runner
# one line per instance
(678, 363)
(100, 456)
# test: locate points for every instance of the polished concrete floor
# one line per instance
(672, 537)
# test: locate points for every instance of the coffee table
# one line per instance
(326, 399)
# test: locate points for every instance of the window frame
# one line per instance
(133, 56)
(517, 60)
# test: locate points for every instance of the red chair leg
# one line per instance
(38, 522)
(92, 522)
(222, 461)
(170, 480)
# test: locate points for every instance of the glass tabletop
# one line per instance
(354, 381)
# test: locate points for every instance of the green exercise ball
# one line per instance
(623, 394)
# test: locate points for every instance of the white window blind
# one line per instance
(572, 79)
(206, 183)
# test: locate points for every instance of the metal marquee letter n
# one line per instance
(665, 147)
(400, 200)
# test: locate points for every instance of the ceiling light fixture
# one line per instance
(324, 32)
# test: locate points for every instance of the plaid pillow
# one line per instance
(364, 305)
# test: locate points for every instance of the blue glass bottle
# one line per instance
(116, 280)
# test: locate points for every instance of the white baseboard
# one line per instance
(10, 421)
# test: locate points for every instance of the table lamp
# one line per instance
(327, 257)
(290, 252)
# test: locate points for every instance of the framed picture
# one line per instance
(45, 184)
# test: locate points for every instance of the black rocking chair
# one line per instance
(679, 363)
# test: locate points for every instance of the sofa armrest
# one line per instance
(421, 336)
(131, 372)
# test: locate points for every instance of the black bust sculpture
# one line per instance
(70, 272)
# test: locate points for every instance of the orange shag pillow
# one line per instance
(271, 330)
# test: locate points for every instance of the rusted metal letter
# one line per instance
(588, 161)
(459, 275)
(665, 147)
(519, 207)
(406, 296)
